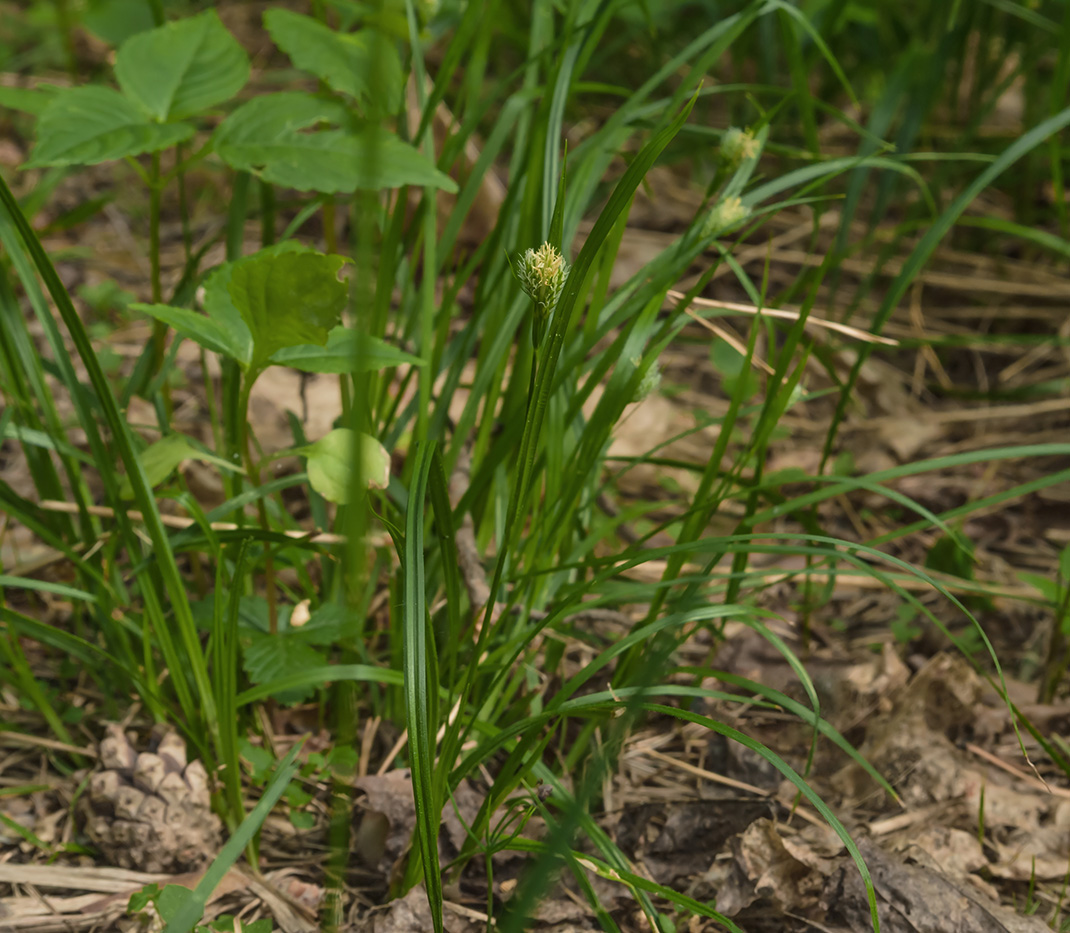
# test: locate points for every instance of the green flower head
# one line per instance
(650, 382)
(542, 273)
(738, 145)
(724, 215)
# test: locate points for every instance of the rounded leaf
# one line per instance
(330, 459)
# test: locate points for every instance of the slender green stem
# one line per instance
(252, 468)
(267, 213)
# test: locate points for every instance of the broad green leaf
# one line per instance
(217, 333)
(292, 649)
(270, 115)
(340, 354)
(219, 306)
(183, 67)
(115, 21)
(329, 462)
(263, 137)
(172, 899)
(326, 626)
(28, 100)
(269, 657)
(287, 299)
(160, 459)
(87, 125)
(363, 65)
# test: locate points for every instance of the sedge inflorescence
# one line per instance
(542, 273)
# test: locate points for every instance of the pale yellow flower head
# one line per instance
(738, 145)
(725, 215)
(542, 273)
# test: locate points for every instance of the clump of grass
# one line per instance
(471, 662)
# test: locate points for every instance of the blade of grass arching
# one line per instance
(640, 887)
(202, 713)
(587, 787)
(192, 910)
(819, 43)
(936, 464)
(804, 713)
(421, 686)
(1059, 245)
(609, 850)
(320, 677)
(975, 507)
(31, 517)
(782, 766)
(85, 651)
(924, 250)
(614, 701)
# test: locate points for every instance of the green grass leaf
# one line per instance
(193, 908)
(183, 67)
(421, 684)
(363, 65)
(87, 125)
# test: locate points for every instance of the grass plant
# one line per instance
(446, 371)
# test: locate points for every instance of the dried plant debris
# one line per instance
(384, 831)
(150, 811)
(774, 869)
(409, 913)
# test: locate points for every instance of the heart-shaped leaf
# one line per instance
(182, 67)
(87, 125)
(287, 299)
